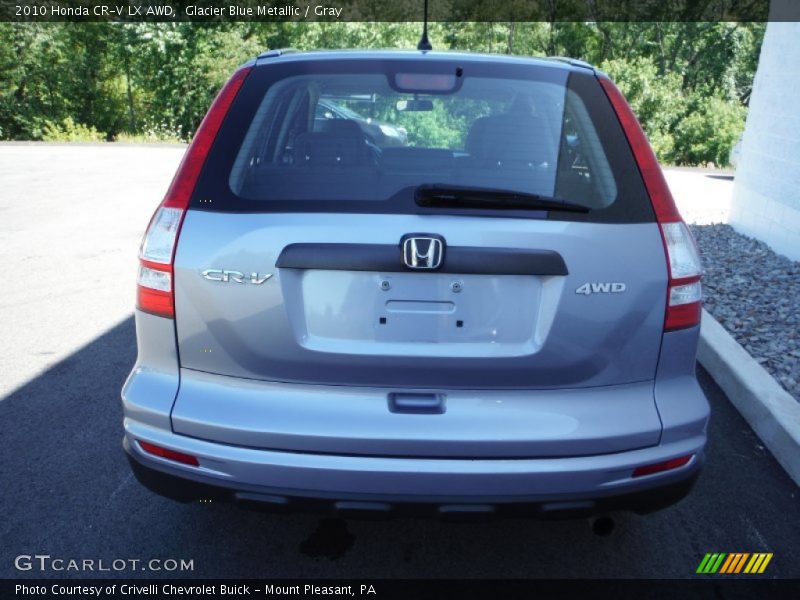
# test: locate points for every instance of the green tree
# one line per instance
(689, 82)
(656, 99)
(707, 133)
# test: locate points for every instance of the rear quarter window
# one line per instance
(341, 136)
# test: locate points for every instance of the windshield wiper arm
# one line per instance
(450, 196)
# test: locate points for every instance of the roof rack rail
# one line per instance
(572, 61)
(277, 52)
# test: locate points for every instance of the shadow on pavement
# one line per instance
(67, 492)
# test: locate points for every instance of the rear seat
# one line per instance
(416, 159)
(342, 143)
(509, 140)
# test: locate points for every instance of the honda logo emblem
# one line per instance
(422, 251)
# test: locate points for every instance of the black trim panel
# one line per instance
(504, 261)
(388, 258)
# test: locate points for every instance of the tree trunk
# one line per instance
(131, 110)
(512, 28)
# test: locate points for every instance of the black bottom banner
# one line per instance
(405, 589)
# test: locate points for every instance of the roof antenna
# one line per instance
(424, 43)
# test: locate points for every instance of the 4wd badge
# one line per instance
(601, 288)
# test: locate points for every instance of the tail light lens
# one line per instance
(154, 289)
(186, 459)
(154, 284)
(667, 465)
(684, 292)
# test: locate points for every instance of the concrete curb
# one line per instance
(769, 409)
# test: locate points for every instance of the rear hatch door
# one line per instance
(307, 258)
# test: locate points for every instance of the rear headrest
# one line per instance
(340, 143)
(511, 139)
(343, 127)
(476, 135)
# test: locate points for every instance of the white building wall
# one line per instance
(766, 193)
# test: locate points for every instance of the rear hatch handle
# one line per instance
(416, 403)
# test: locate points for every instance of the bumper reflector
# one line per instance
(186, 459)
(667, 465)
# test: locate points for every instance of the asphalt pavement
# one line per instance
(71, 218)
(67, 492)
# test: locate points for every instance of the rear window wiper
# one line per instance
(450, 196)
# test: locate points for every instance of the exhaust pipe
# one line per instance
(603, 526)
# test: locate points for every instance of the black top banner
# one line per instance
(398, 10)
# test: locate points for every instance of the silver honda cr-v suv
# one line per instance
(492, 306)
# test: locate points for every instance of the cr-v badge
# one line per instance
(237, 276)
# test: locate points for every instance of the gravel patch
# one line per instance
(755, 294)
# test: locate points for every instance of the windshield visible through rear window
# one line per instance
(366, 139)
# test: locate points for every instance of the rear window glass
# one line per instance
(364, 139)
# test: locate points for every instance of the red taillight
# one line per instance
(683, 306)
(683, 316)
(667, 465)
(182, 186)
(155, 292)
(657, 188)
(155, 302)
(186, 459)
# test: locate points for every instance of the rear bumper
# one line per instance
(575, 485)
(377, 473)
(466, 424)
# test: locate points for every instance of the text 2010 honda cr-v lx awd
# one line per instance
(497, 310)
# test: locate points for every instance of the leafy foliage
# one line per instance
(657, 99)
(69, 131)
(688, 82)
(708, 133)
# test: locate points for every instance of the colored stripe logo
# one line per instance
(733, 563)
